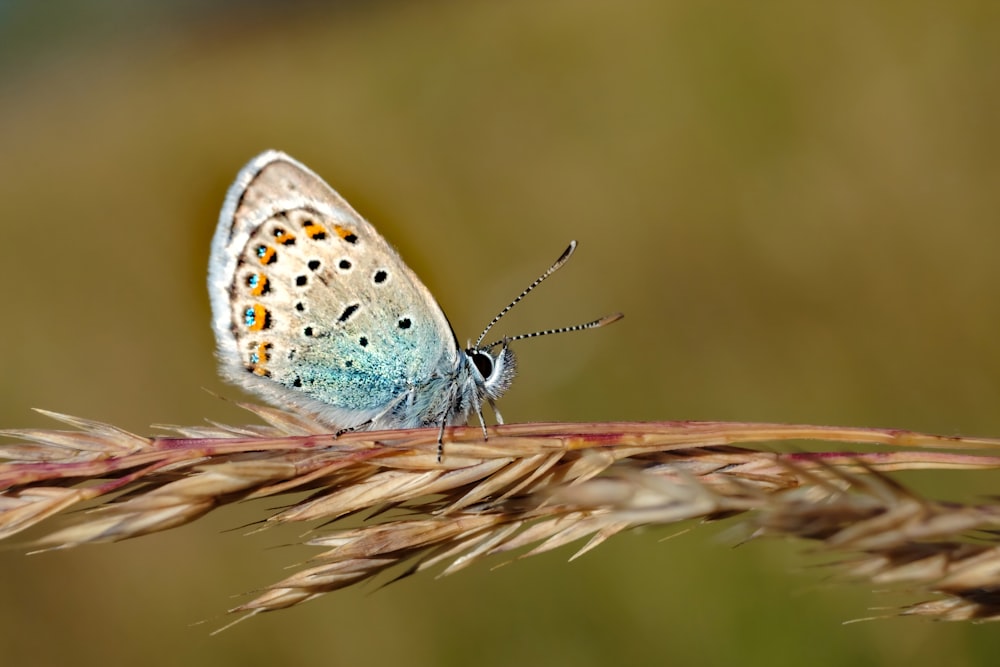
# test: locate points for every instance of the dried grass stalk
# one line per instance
(533, 487)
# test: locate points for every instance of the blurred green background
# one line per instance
(797, 205)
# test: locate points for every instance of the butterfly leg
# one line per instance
(444, 422)
(496, 412)
(350, 429)
(482, 421)
(452, 397)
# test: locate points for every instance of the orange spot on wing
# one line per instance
(314, 230)
(283, 237)
(346, 234)
(257, 317)
(266, 254)
(261, 285)
(259, 356)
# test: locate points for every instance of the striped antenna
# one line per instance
(558, 264)
(563, 258)
(607, 319)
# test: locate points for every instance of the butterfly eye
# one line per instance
(484, 363)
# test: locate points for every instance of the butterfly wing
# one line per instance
(312, 307)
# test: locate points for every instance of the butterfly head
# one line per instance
(496, 370)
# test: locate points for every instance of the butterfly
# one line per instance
(313, 310)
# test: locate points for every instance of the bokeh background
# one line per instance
(797, 205)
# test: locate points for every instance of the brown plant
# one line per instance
(528, 488)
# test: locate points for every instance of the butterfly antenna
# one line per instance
(607, 319)
(563, 258)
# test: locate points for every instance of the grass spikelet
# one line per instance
(528, 489)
